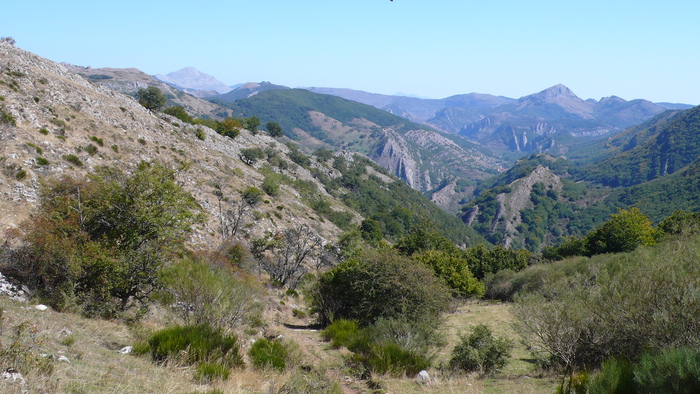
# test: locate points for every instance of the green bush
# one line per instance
(91, 149)
(341, 333)
(671, 371)
(42, 161)
(454, 271)
(199, 133)
(400, 288)
(178, 112)
(207, 372)
(103, 257)
(271, 186)
(481, 352)
(251, 155)
(190, 345)
(269, 354)
(391, 359)
(616, 376)
(73, 159)
(98, 141)
(7, 118)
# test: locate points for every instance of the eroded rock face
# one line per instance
(397, 158)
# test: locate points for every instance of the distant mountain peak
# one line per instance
(193, 79)
(554, 92)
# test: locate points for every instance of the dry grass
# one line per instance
(97, 366)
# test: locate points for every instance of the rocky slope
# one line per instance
(130, 80)
(56, 123)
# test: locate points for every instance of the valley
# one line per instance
(358, 239)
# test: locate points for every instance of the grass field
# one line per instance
(94, 364)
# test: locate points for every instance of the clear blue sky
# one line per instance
(430, 48)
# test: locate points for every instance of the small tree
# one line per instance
(624, 232)
(274, 129)
(151, 98)
(179, 112)
(284, 254)
(203, 294)
(251, 155)
(252, 124)
(229, 127)
(100, 243)
(371, 231)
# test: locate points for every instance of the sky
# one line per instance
(427, 48)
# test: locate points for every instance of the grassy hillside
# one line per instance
(290, 108)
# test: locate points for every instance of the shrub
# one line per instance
(7, 118)
(199, 133)
(21, 174)
(454, 271)
(341, 333)
(178, 112)
(668, 371)
(481, 351)
(621, 304)
(271, 186)
(269, 354)
(98, 141)
(389, 346)
(91, 149)
(391, 359)
(22, 351)
(190, 345)
(251, 155)
(400, 288)
(207, 372)
(616, 375)
(42, 161)
(73, 159)
(201, 293)
(671, 371)
(43, 131)
(97, 243)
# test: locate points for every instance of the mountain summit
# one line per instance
(191, 79)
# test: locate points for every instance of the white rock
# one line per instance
(12, 375)
(126, 349)
(423, 377)
(41, 307)
(64, 358)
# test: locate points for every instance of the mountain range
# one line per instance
(463, 165)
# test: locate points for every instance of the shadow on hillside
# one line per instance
(304, 327)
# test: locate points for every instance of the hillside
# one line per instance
(440, 165)
(55, 123)
(641, 154)
(130, 80)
